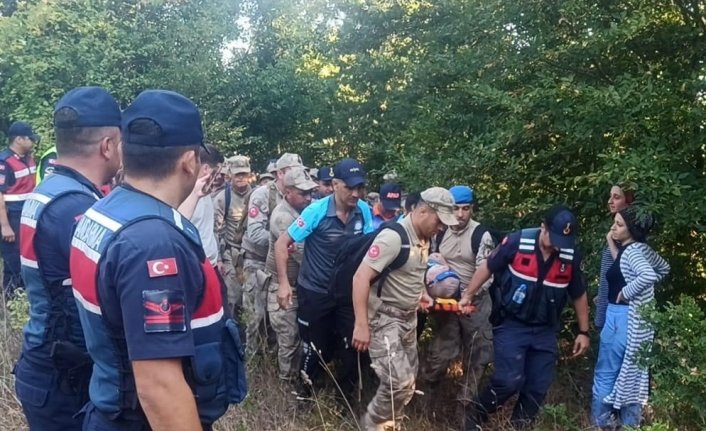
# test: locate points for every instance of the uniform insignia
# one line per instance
(300, 222)
(2, 180)
(163, 311)
(162, 267)
(374, 252)
(504, 240)
(254, 212)
(2, 166)
(567, 229)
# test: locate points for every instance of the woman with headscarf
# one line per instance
(622, 195)
(620, 386)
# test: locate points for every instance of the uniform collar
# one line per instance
(72, 173)
(331, 207)
(413, 238)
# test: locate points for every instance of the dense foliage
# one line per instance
(532, 102)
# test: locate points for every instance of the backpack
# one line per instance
(351, 254)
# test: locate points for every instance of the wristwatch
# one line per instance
(583, 333)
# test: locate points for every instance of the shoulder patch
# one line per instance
(163, 311)
(162, 267)
(253, 212)
(374, 251)
(300, 222)
(2, 179)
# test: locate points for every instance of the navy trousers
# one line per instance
(49, 401)
(11, 269)
(525, 358)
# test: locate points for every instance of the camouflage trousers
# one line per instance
(254, 316)
(393, 353)
(234, 278)
(468, 337)
(284, 323)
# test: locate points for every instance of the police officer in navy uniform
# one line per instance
(538, 269)
(17, 170)
(166, 356)
(54, 368)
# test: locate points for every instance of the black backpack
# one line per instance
(351, 254)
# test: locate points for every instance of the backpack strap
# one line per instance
(401, 258)
(228, 197)
(477, 237)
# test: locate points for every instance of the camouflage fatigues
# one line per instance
(393, 323)
(230, 239)
(393, 355)
(468, 337)
(284, 320)
(256, 243)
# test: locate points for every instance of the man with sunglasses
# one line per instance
(469, 336)
(324, 322)
(282, 308)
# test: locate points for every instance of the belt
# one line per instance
(396, 312)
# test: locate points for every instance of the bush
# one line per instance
(678, 363)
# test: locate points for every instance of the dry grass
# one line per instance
(271, 405)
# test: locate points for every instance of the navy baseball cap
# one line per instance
(325, 173)
(94, 107)
(350, 172)
(391, 196)
(463, 195)
(562, 226)
(177, 117)
(20, 128)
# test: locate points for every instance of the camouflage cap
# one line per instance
(289, 160)
(237, 165)
(440, 200)
(299, 178)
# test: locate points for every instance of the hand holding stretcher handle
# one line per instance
(451, 305)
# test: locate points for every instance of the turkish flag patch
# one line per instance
(162, 267)
(300, 222)
(253, 212)
(163, 311)
(374, 252)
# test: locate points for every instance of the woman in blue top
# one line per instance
(620, 387)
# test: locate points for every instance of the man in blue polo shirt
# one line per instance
(539, 270)
(324, 322)
(149, 299)
(51, 377)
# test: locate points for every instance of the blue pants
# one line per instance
(610, 359)
(11, 270)
(48, 401)
(525, 358)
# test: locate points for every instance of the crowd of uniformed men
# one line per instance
(141, 245)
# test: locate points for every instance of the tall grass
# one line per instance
(272, 405)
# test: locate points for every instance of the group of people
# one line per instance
(140, 292)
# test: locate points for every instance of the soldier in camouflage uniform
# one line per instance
(387, 324)
(282, 306)
(229, 226)
(467, 336)
(256, 242)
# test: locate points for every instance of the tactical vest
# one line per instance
(53, 315)
(47, 164)
(24, 178)
(215, 373)
(542, 304)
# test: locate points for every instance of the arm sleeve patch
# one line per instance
(163, 311)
